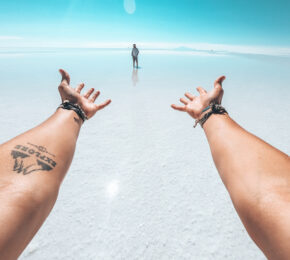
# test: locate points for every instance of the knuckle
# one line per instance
(61, 86)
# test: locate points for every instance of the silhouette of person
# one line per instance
(134, 55)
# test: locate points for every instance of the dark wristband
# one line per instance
(75, 107)
(214, 109)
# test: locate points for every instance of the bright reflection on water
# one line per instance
(112, 189)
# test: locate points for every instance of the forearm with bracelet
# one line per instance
(75, 107)
(213, 108)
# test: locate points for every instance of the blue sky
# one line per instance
(236, 22)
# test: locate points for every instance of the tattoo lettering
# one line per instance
(27, 159)
(41, 149)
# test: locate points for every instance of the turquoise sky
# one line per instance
(243, 22)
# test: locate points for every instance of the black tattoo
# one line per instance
(28, 160)
(41, 149)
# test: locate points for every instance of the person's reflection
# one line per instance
(135, 76)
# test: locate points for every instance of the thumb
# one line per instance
(218, 82)
(65, 80)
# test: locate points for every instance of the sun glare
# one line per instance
(130, 6)
(112, 188)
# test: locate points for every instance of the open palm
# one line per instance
(194, 105)
(86, 101)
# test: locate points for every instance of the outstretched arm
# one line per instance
(32, 167)
(256, 175)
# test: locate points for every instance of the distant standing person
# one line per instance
(134, 55)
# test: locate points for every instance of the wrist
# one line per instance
(67, 105)
(208, 111)
(65, 115)
(215, 121)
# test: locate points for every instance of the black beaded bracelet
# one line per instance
(75, 107)
(214, 109)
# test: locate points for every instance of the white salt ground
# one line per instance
(143, 184)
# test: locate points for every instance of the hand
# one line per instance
(86, 101)
(194, 105)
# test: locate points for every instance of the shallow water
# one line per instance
(142, 184)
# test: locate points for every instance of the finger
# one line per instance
(184, 101)
(189, 96)
(180, 108)
(104, 104)
(80, 87)
(218, 82)
(201, 91)
(65, 80)
(89, 92)
(94, 97)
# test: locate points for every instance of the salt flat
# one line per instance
(142, 184)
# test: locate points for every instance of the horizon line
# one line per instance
(18, 42)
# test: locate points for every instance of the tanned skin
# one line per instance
(256, 174)
(32, 167)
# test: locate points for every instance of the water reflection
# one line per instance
(135, 78)
(112, 188)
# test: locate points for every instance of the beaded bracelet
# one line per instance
(75, 107)
(215, 109)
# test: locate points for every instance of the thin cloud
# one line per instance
(6, 37)
(194, 47)
(182, 48)
(220, 48)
